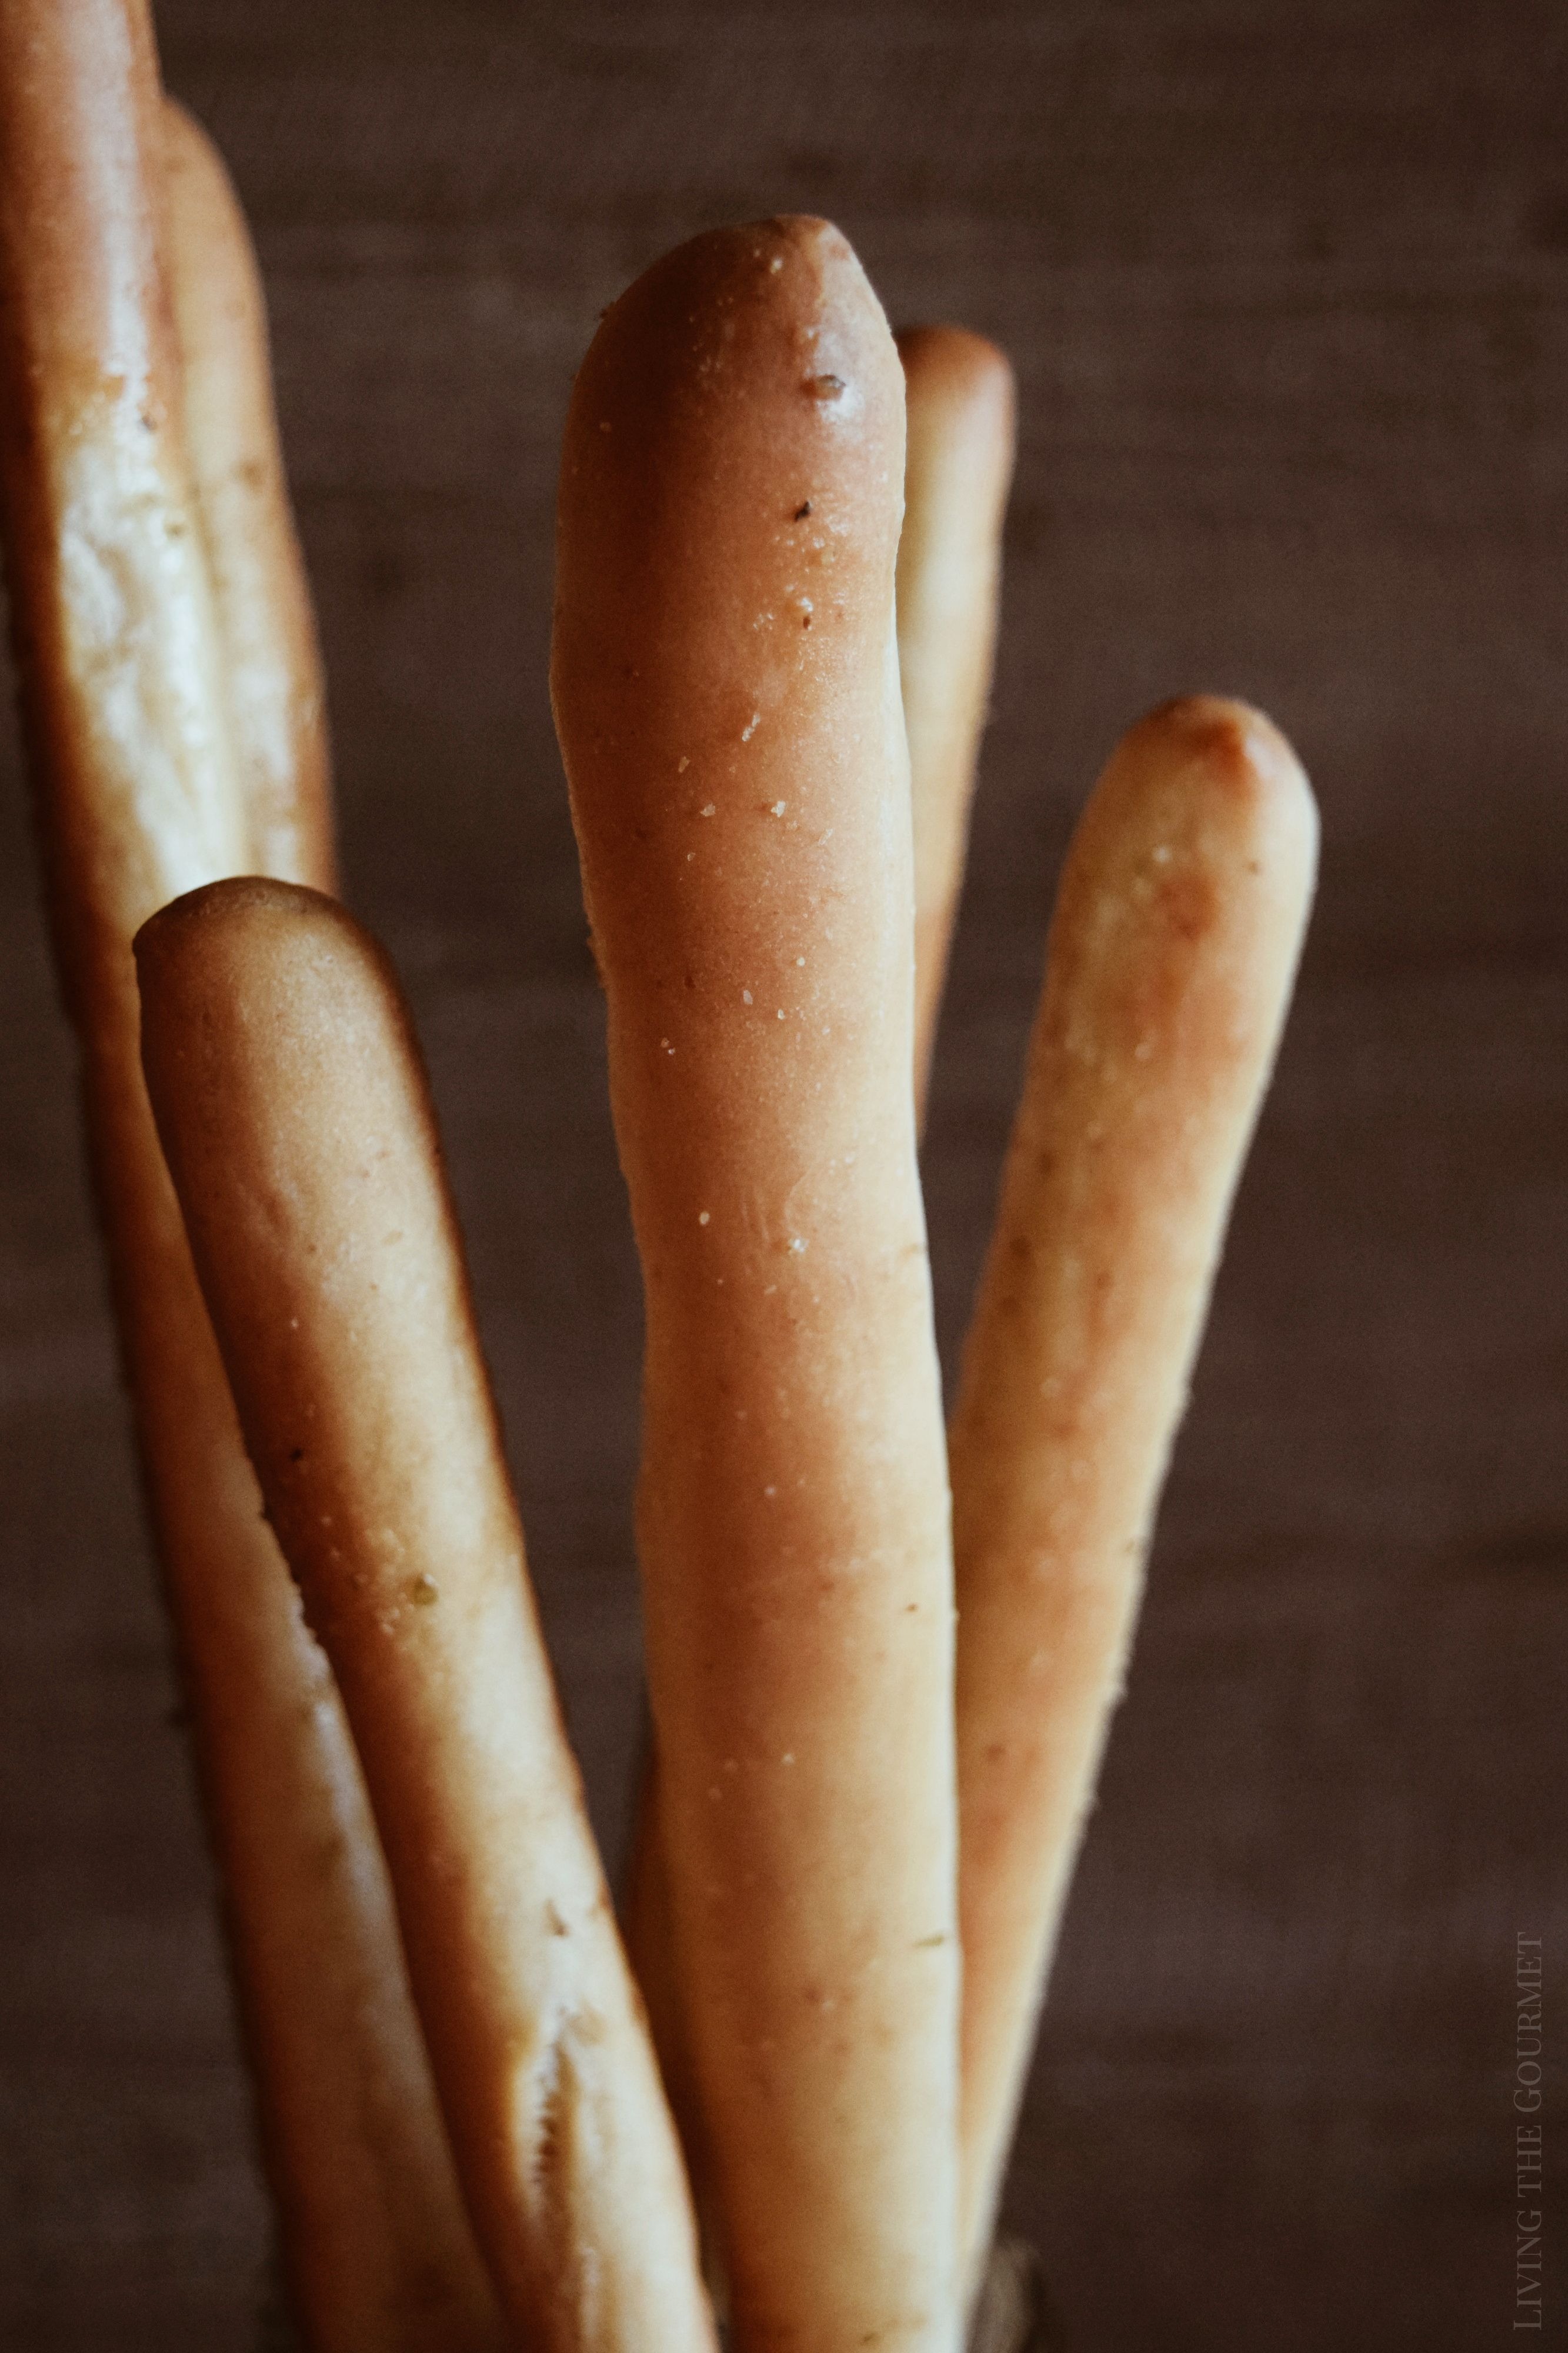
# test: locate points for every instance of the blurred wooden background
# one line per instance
(1288, 290)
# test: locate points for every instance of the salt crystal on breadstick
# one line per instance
(959, 390)
(297, 1129)
(140, 794)
(1171, 954)
(726, 690)
(272, 659)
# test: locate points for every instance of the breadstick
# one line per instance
(959, 389)
(959, 399)
(375, 2232)
(272, 661)
(1171, 959)
(139, 796)
(726, 693)
(297, 1131)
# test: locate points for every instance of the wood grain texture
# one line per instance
(1288, 294)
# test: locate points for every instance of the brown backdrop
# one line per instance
(1288, 290)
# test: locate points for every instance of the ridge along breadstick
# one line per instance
(139, 795)
(297, 1129)
(1171, 954)
(271, 661)
(959, 389)
(725, 685)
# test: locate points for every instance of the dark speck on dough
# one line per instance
(803, 511)
(824, 387)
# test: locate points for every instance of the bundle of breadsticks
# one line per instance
(878, 1713)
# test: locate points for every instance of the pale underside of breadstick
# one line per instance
(725, 686)
(297, 1127)
(140, 794)
(1172, 955)
(959, 390)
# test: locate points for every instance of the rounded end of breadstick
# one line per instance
(962, 423)
(190, 157)
(240, 905)
(1253, 783)
(199, 949)
(962, 407)
(731, 490)
(1186, 890)
(954, 370)
(737, 420)
(692, 329)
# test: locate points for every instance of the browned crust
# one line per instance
(137, 796)
(1169, 969)
(297, 1126)
(726, 696)
(962, 426)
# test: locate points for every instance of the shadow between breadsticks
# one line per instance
(959, 392)
(297, 1127)
(140, 768)
(1172, 955)
(726, 691)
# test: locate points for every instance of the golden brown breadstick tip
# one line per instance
(139, 796)
(959, 389)
(726, 691)
(297, 1129)
(1172, 955)
(271, 661)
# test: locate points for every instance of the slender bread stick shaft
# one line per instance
(959, 390)
(1172, 955)
(271, 661)
(297, 1129)
(726, 691)
(139, 796)
(375, 2232)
